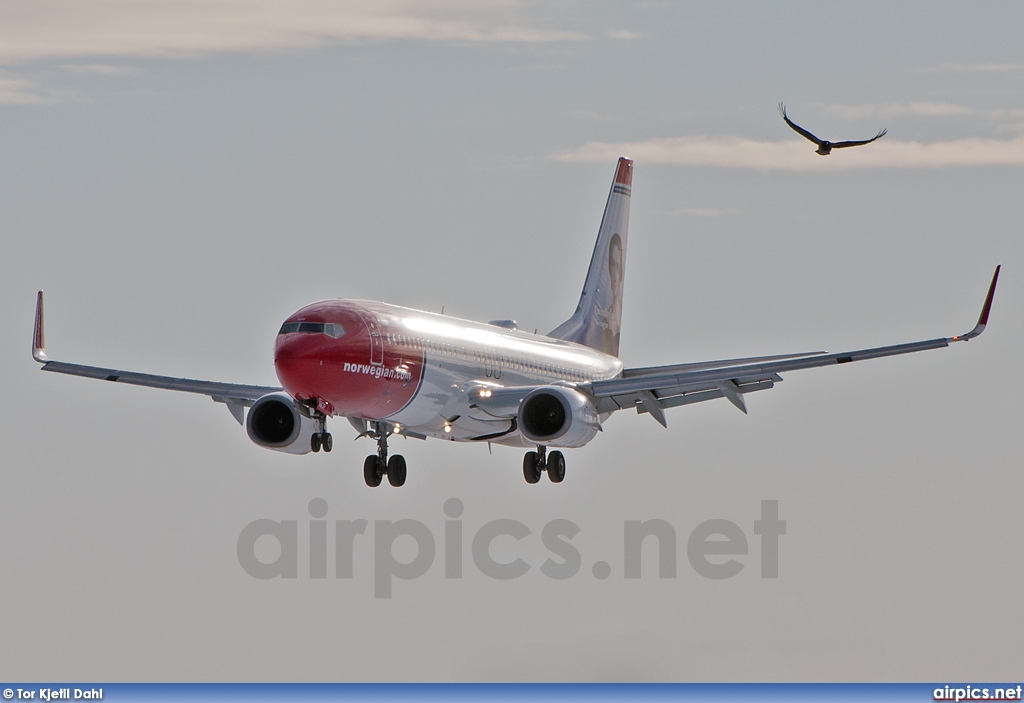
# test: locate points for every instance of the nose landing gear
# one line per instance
(321, 439)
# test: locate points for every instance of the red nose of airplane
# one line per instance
(335, 351)
(298, 364)
(313, 347)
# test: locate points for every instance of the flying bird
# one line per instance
(825, 147)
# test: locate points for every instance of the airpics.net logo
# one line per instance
(714, 548)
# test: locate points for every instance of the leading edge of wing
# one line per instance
(219, 391)
(639, 371)
(797, 128)
(682, 380)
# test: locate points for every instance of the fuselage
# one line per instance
(377, 361)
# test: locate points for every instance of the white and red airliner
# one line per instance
(393, 370)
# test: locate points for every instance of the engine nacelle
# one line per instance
(275, 422)
(558, 417)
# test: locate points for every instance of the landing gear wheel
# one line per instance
(396, 470)
(531, 467)
(315, 442)
(556, 467)
(327, 441)
(372, 471)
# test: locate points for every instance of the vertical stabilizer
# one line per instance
(598, 317)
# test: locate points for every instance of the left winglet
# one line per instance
(38, 347)
(983, 319)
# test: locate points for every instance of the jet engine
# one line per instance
(275, 422)
(558, 417)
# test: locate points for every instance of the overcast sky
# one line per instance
(179, 177)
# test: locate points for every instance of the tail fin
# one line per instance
(598, 317)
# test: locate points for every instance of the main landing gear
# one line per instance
(536, 462)
(378, 465)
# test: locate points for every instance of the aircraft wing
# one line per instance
(235, 395)
(654, 389)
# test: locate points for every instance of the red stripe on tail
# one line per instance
(624, 175)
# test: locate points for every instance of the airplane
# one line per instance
(391, 370)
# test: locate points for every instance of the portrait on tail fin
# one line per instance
(598, 317)
(610, 318)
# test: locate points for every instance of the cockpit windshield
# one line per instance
(331, 329)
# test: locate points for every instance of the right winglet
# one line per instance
(38, 348)
(983, 319)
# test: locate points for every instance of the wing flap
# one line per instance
(678, 396)
(684, 381)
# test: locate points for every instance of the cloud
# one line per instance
(1006, 113)
(743, 153)
(100, 69)
(54, 29)
(624, 34)
(19, 91)
(973, 68)
(915, 109)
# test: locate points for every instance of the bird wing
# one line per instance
(840, 145)
(797, 128)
